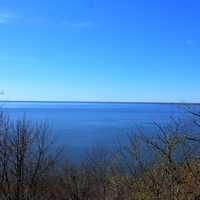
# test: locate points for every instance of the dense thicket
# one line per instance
(164, 166)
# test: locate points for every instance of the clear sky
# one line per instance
(100, 50)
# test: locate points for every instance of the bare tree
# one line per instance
(27, 158)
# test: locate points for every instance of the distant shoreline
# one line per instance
(101, 102)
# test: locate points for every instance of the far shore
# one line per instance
(101, 102)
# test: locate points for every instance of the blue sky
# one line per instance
(100, 50)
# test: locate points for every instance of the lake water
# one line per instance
(83, 125)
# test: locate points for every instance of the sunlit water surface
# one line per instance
(80, 126)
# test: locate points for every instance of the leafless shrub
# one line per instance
(27, 157)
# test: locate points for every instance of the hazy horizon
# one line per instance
(109, 102)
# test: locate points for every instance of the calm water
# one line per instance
(82, 125)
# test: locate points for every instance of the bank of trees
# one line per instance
(165, 165)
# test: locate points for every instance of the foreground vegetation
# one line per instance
(165, 166)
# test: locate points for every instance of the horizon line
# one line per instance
(109, 102)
